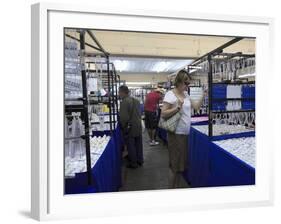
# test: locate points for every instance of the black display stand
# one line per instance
(110, 79)
(210, 57)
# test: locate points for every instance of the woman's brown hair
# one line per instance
(181, 77)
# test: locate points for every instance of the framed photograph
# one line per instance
(138, 111)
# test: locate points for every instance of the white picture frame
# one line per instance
(48, 201)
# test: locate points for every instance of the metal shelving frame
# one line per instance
(112, 81)
(210, 57)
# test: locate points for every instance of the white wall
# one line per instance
(15, 111)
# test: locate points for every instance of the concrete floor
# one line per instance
(154, 174)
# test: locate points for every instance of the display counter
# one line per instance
(211, 165)
(106, 172)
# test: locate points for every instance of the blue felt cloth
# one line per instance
(219, 92)
(119, 142)
(107, 170)
(236, 135)
(101, 133)
(248, 91)
(248, 105)
(198, 159)
(200, 123)
(209, 165)
(228, 170)
(78, 185)
(219, 105)
(104, 168)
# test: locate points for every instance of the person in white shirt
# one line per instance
(178, 100)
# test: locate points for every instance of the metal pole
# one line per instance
(219, 49)
(85, 108)
(89, 45)
(115, 93)
(97, 42)
(210, 84)
(112, 93)
(109, 94)
(116, 88)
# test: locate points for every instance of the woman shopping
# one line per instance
(178, 101)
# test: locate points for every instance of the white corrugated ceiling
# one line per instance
(133, 65)
(136, 52)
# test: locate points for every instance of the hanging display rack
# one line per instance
(209, 58)
(81, 104)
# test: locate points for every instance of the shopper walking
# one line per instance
(150, 111)
(178, 100)
(130, 120)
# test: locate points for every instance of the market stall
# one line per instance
(222, 151)
(225, 119)
(92, 137)
(222, 136)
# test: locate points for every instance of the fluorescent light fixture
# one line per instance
(134, 87)
(193, 70)
(121, 65)
(161, 66)
(195, 67)
(247, 75)
(138, 83)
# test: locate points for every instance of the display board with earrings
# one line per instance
(231, 89)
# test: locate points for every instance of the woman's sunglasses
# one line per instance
(186, 83)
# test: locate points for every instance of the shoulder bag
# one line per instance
(170, 124)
